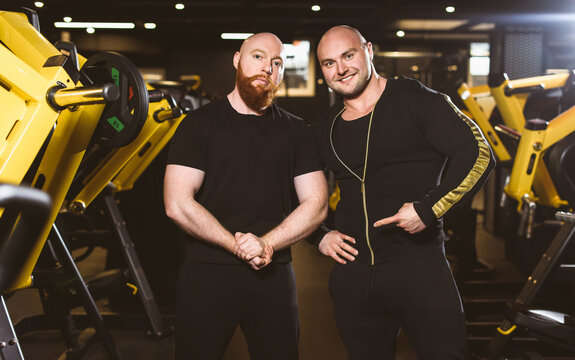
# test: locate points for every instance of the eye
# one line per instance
(257, 56)
(328, 63)
(349, 56)
(278, 64)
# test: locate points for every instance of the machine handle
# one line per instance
(163, 115)
(155, 95)
(60, 98)
(19, 234)
(523, 90)
(507, 131)
(565, 216)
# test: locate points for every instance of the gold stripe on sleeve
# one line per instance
(452, 197)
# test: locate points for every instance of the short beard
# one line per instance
(358, 90)
(257, 97)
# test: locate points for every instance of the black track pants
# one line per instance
(213, 299)
(416, 293)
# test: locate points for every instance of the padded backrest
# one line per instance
(561, 165)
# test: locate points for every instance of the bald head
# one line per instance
(261, 53)
(256, 39)
(339, 32)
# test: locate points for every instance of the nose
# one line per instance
(341, 67)
(267, 68)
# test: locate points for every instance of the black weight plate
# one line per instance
(121, 120)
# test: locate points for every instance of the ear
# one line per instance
(236, 59)
(370, 51)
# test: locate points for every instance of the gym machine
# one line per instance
(117, 171)
(557, 137)
(480, 105)
(557, 329)
(32, 208)
(511, 98)
(501, 110)
(47, 129)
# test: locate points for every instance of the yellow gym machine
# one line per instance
(511, 97)
(117, 171)
(538, 137)
(121, 167)
(32, 208)
(558, 138)
(480, 105)
(46, 129)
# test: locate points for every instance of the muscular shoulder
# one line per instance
(326, 120)
(285, 115)
(412, 86)
(209, 110)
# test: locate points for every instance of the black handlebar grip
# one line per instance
(34, 206)
(523, 90)
(155, 95)
(163, 115)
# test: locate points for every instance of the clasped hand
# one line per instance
(253, 250)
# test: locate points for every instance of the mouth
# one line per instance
(346, 78)
(261, 80)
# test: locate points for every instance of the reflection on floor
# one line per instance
(319, 339)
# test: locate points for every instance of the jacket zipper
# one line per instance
(362, 180)
(366, 222)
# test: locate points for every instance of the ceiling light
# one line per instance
(482, 27)
(90, 30)
(407, 54)
(38, 4)
(94, 25)
(150, 25)
(180, 6)
(315, 8)
(67, 19)
(400, 33)
(450, 9)
(427, 25)
(236, 36)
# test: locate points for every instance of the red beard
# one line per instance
(256, 96)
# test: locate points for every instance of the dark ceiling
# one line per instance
(294, 18)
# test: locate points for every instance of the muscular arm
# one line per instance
(181, 184)
(460, 140)
(311, 190)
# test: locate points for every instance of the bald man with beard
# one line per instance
(244, 182)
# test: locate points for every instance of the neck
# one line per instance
(240, 106)
(363, 103)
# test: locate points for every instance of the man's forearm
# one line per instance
(300, 223)
(194, 219)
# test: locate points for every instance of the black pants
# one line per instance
(213, 299)
(416, 293)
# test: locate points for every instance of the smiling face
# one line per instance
(345, 60)
(260, 69)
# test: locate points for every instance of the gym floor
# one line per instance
(319, 339)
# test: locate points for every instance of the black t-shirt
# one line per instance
(350, 140)
(249, 162)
